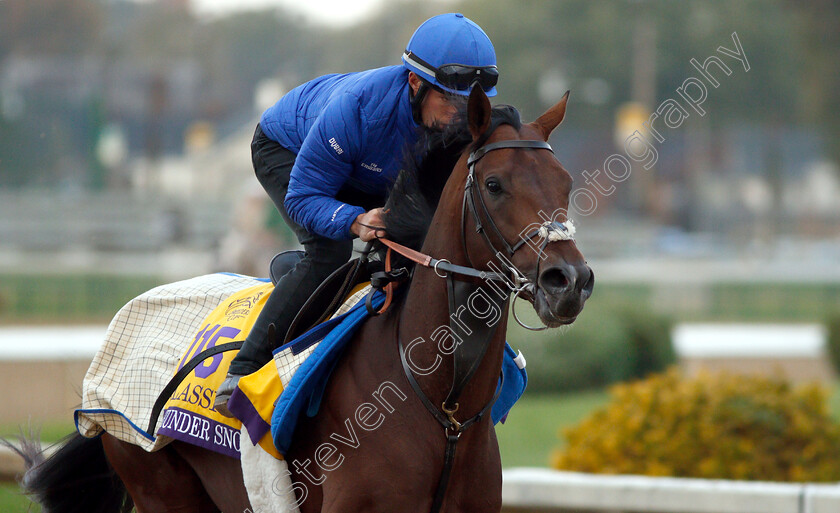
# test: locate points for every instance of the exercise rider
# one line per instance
(328, 150)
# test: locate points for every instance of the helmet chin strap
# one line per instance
(416, 100)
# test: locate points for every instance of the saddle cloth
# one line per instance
(189, 416)
(142, 350)
(152, 337)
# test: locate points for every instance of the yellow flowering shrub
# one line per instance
(721, 426)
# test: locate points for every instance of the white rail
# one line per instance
(551, 491)
(548, 490)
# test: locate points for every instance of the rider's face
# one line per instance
(437, 109)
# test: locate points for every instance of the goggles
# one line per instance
(459, 77)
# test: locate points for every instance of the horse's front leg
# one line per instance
(403, 473)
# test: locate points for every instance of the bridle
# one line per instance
(549, 231)
(475, 340)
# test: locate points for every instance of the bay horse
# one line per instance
(401, 426)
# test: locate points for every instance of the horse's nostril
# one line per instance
(589, 284)
(554, 279)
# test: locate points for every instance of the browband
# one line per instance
(477, 154)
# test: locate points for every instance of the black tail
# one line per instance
(77, 478)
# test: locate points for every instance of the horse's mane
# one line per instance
(416, 192)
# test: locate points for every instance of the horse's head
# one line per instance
(515, 204)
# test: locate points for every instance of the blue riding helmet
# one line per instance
(451, 52)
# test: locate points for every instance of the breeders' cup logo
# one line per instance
(241, 307)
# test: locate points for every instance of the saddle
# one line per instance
(329, 295)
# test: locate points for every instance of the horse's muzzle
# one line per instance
(562, 291)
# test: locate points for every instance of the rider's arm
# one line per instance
(323, 165)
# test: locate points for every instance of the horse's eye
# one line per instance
(493, 186)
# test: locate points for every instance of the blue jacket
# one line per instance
(348, 130)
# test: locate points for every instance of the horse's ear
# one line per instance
(552, 117)
(478, 112)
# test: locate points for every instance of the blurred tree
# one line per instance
(580, 41)
(379, 41)
(157, 34)
(543, 49)
(45, 139)
(818, 30)
(244, 48)
(696, 29)
(49, 27)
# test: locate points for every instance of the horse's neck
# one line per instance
(426, 315)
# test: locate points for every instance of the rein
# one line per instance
(475, 337)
